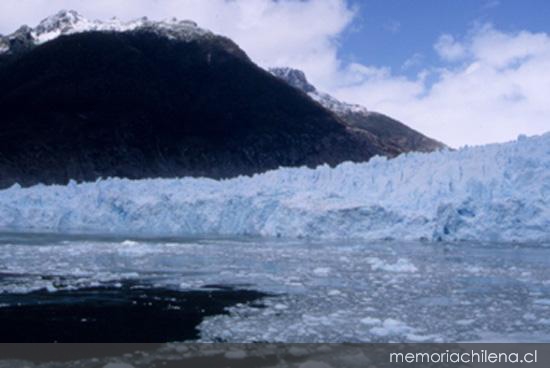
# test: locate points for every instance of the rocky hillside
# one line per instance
(394, 136)
(85, 99)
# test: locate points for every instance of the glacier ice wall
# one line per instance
(498, 192)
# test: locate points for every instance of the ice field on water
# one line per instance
(320, 291)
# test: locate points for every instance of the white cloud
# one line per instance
(499, 90)
(449, 49)
(492, 85)
(413, 61)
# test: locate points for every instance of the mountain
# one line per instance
(395, 136)
(86, 99)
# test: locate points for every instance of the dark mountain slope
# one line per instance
(392, 132)
(139, 104)
(392, 135)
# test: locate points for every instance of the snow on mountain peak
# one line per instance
(63, 22)
(60, 20)
(67, 22)
(297, 79)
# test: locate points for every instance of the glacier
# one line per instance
(497, 192)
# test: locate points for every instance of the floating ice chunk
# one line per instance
(371, 321)
(423, 338)
(474, 269)
(402, 265)
(392, 326)
(185, 285)
(465, 322)
(50, 287)
(129, 242)
(280, 306)
(321, 271)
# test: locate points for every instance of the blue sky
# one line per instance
(390, 32)
(465, 72)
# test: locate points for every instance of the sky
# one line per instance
(465, 72)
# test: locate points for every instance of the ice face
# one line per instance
(344, 291)
(498, 192)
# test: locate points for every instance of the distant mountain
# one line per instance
(87, 99)
(393, 135)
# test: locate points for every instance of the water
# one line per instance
(298, 290)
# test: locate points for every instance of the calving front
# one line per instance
(498, 192)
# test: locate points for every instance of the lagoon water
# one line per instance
(273, 290)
